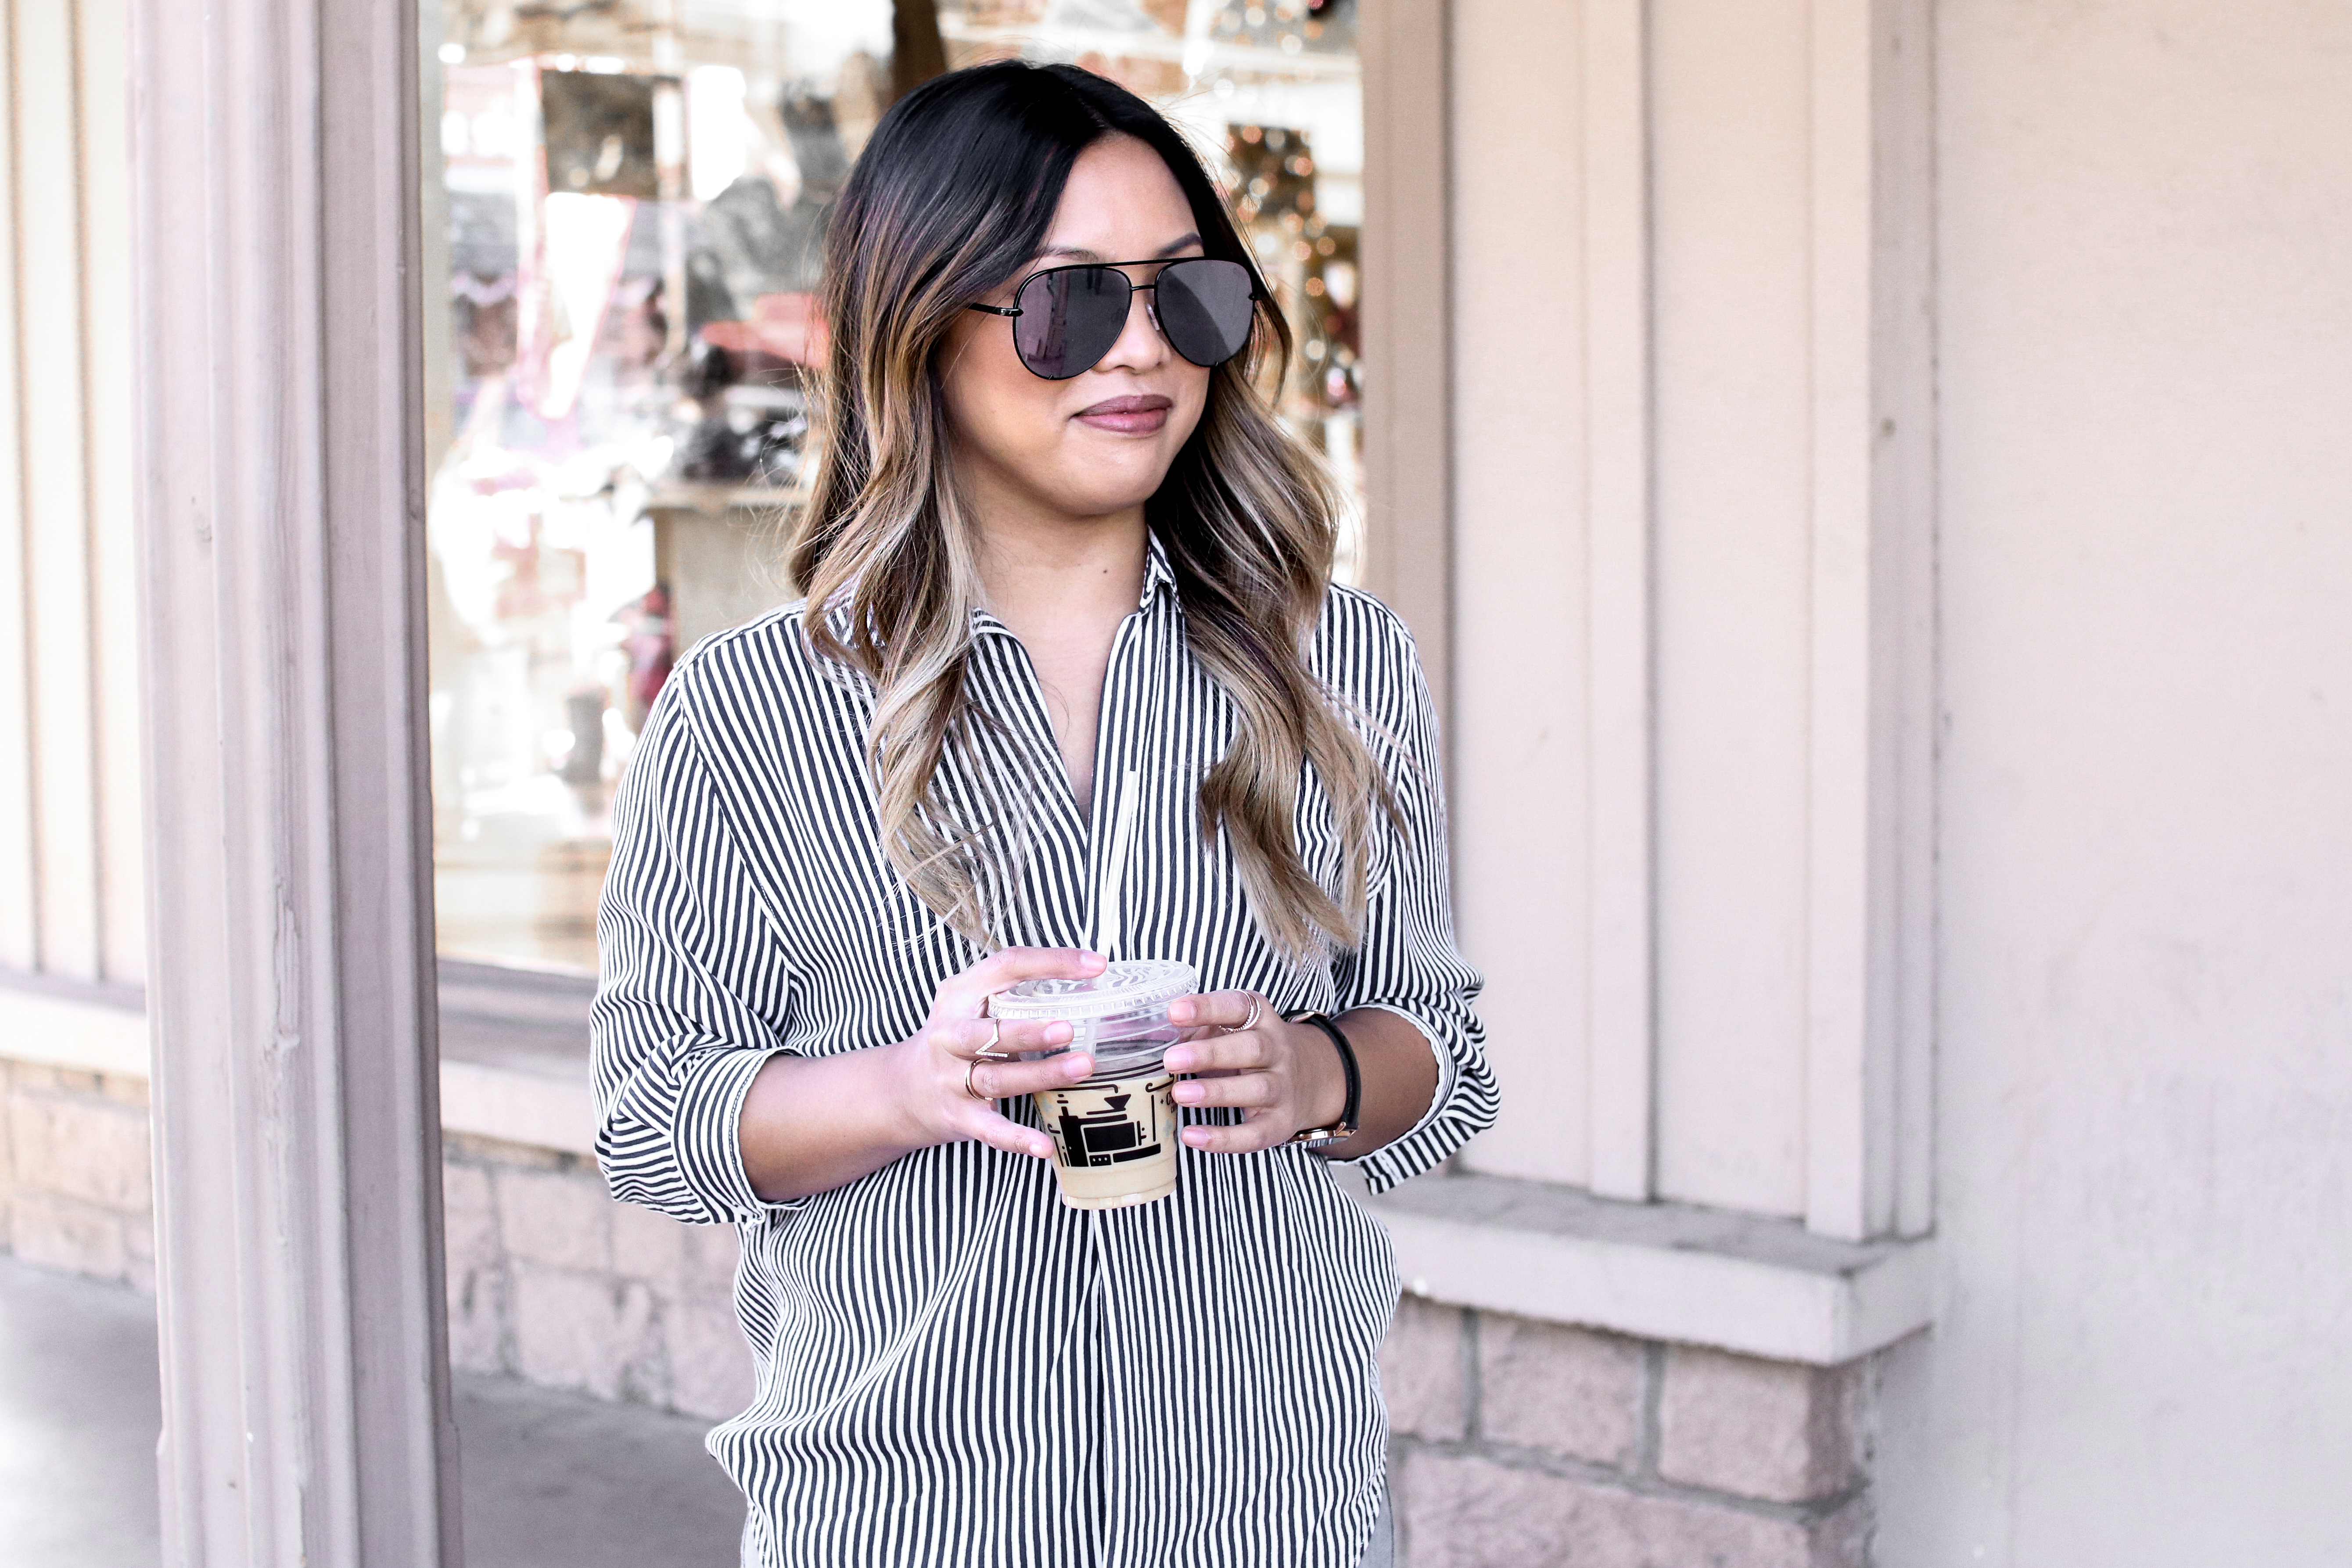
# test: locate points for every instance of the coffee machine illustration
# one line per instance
(1107, 1125)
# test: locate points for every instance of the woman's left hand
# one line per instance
(1284, 1078)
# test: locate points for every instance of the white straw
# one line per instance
(1108, 896)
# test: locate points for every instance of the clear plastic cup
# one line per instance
(1114, 1134)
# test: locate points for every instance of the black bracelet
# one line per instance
(1346, 1126)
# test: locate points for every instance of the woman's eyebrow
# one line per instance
(1080, 253)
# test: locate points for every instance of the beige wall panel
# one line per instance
(1519, 638)
(2145, 1090)
(1731, 121)
(106, 186)
(1618, 315)
(1870, 959)
(1408, 546)
(19, 940)
(56, 490)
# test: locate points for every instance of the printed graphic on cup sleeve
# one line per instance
(1111, 1124)
(1114, 1138)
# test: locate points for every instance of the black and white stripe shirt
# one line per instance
(953, 1366)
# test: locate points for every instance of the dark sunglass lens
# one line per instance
(1205, 309)
(1069, 319)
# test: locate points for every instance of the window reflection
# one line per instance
(629, 208)
(636, 198)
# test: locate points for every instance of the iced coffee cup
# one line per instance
(1114, 1134)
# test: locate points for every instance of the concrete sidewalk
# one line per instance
(552, 1480)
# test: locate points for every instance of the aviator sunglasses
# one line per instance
(1065, 319)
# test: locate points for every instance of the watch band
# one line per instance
(1345, 1127)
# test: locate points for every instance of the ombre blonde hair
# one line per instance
(952, 195)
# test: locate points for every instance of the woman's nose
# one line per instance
(1140, 345)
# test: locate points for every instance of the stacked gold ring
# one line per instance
(986, 1053)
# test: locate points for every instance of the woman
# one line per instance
(1067, 581)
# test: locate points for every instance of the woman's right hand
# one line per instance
(951, 1090)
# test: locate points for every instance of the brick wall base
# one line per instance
(554, 1282)
(75, 1190)
(549, 1280)
(1515, 1443)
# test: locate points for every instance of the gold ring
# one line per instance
(1251, 1021)
(968, 1073)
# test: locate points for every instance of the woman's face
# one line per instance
(1099, 443)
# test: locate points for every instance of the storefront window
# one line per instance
(628, 206)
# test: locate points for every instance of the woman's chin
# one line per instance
(1095, 493)
(1099, 506)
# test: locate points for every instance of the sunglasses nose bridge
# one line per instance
(1147, 296)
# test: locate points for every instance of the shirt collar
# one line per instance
(1158, 578)
(1156, 573)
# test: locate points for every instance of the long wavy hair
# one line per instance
(953, 195)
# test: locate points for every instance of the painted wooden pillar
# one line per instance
(279, 504)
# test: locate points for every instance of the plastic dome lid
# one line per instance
(1128, 985)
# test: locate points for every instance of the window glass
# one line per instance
(627, 201)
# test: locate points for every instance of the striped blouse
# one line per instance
(953, 1366)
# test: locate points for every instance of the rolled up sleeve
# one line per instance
(691, 992)
(1408, 963)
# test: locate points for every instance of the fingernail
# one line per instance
(1189, 1093)
(1177, 1061)
(1075, 1067)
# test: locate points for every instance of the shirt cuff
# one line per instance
(708, 1135)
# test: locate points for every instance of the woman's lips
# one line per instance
(1127, 415)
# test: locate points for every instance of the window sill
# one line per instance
(78, 1026)
(514, 1056)
(1663, 1271)
(514, 1046)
